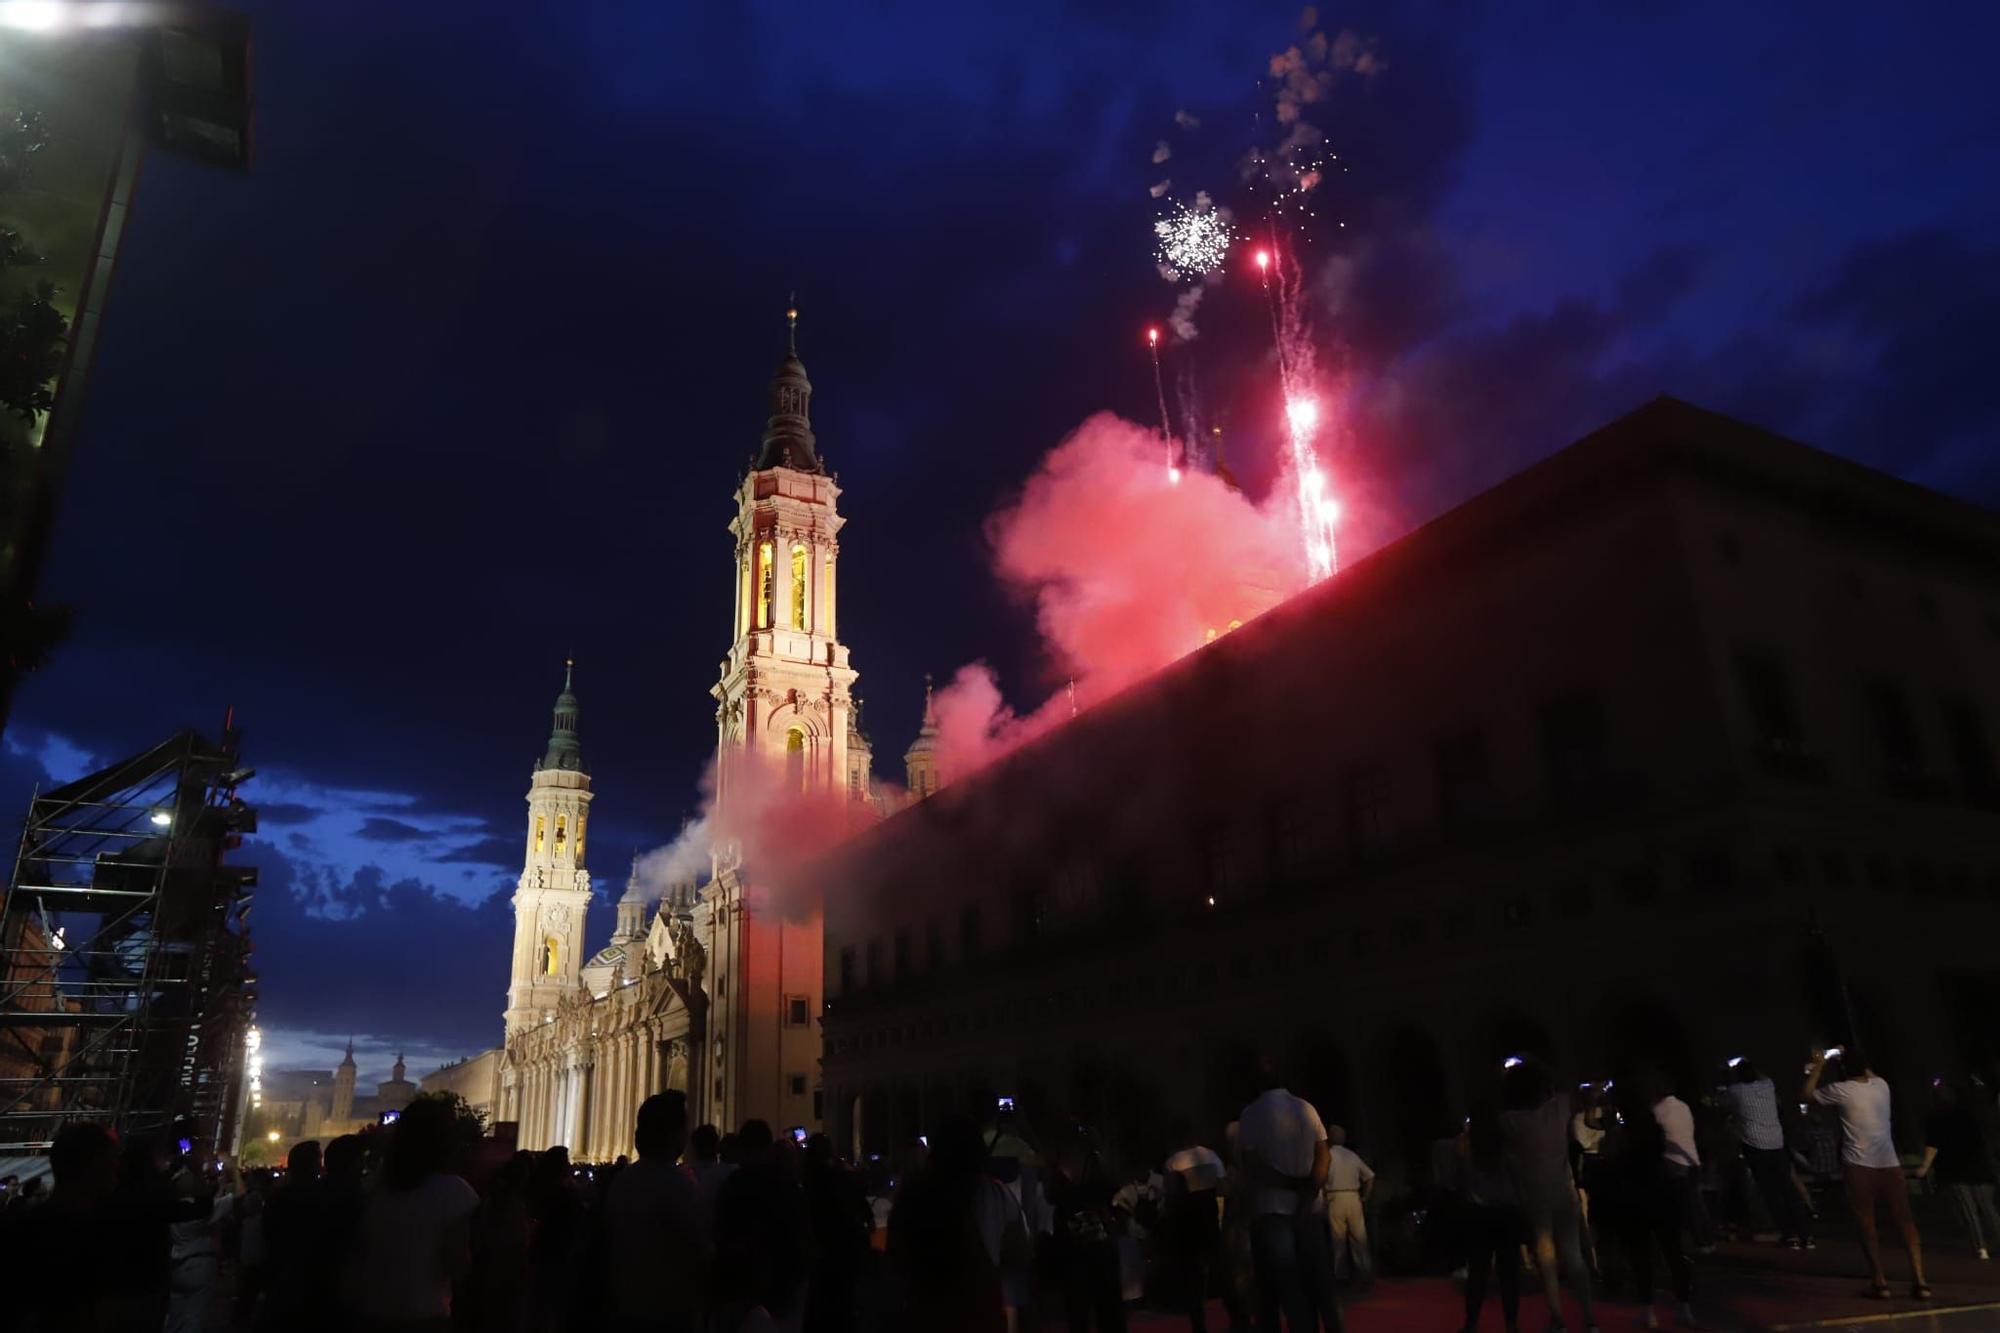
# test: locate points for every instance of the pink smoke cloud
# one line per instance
(1127, 570)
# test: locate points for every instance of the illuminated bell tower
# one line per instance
(783, 722)
(554, 890)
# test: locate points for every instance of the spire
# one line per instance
(564, 749)
(397, 1075)
(930, 707)
(348, 1061)
(788, 436)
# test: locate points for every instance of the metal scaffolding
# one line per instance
(125, 985)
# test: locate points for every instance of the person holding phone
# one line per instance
(1871, 1168)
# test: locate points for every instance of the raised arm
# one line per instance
(1813, 1073)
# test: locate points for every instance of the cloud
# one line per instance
(350, 951)
(287, 812)
(379, 828)
(491, 850)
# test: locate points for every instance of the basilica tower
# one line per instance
(783, 728)
(554, 890)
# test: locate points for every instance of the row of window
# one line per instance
(765, 577)
(1707, 871)
(1902, 751)
(562, 835)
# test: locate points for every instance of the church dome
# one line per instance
(788, 436)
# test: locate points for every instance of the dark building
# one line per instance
(1677, 745)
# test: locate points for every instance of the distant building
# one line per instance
(322, 1104)
(1676, 746)
(475, 1078)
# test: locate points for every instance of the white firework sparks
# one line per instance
(1193, 241)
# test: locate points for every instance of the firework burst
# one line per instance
(1193, 242)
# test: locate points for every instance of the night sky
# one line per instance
(458, 380)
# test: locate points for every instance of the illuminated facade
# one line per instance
(552, 899)
(1678, 745)
(716, 991)
(785, 729)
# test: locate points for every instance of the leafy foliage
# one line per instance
(32, 336)
(466, 1122)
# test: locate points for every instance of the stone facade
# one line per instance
(718, 993)
(1676, 746)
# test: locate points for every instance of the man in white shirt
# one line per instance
(1348, 1181)
(1282, 1153)
(1753, 1112)
(1872, 1168)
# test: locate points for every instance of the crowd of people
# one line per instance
(974, 1227)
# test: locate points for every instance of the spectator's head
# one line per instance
(1264, 1075)
(419, 1144)
(730, 1149)
(1650, 1085)
(957, 1150)
(302, 1163)
(704, 1144)
(661, 1129)
(1943, 1095)
(1524, 1082)
(142, 1162)
(1854, 1062)
(1336, 1136)
(1744, 1071)
(819, 1153)
(556, 1158)
(84, 1161)
(1482, 1136)
(753, 1141)
(344, 1157)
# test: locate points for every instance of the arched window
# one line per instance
(551, 956)
(764, 574)
(826, 600)
(579, 837)
(538, 833)
(561, 820)
(795, 759)
(798, 586)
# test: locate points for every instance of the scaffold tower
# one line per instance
(126, 994)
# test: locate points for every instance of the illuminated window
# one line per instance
(798, 587)
(561, 820)
(826, 599)
(551, 956)
(579, 837)
(795, 759)
(763, 585)
(538, 833)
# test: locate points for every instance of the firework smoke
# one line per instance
(1125, 575)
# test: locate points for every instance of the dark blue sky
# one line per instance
(459, 378)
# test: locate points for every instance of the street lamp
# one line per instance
(272, 1136)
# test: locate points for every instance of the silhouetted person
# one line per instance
(290, 1242)
(556, 1204)
(837, 1209)
(1348, 1180)
(1646, 1208)
(1191, 1223)
(1086, 1242)
(653, 1229)
(1535, 1128)
(939, 1233)
(56, 1249)
(1871, 1167)
(1683, 1156)
(1487, 1207)
(1753, 1111)
(1955, 1149)
(493, 1298)
(1282, 1154)
(194, 1238)
(416, 1230)
(336, 1226)
(762, 1239)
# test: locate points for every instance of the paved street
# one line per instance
(1743, 1286)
